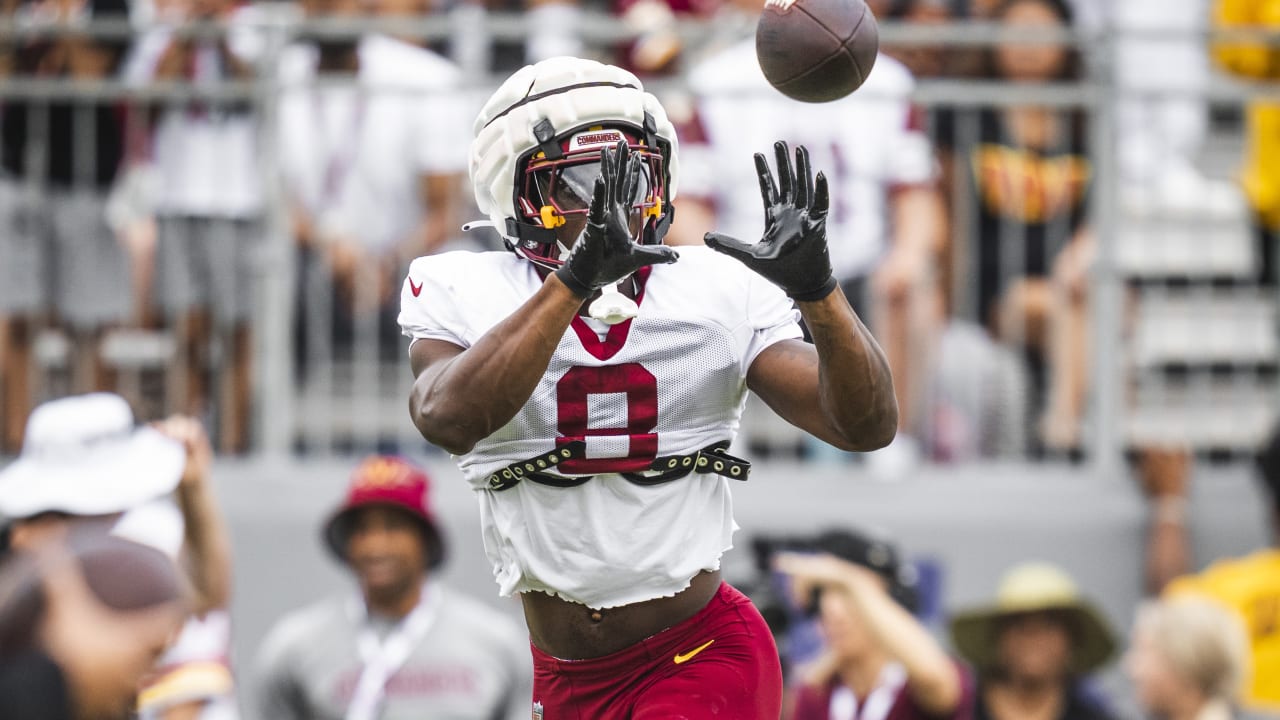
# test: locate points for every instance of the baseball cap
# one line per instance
(84, 455)
(387, 481)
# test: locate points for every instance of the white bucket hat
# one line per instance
(83, 455)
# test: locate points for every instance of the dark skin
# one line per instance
(838, 389)
(387, 552)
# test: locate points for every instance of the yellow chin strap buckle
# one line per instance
(550, 218)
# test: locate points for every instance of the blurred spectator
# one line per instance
(193, 680)
(880, 662)
(658, 48)
(976, 398)
(1250, 586)
(1027, 174)
(372, 170)
(57, 253)
(887, 224)
(1188, 659)
(408, 10)
(85, 467)
(1033, 646)
(924, 61)
(1164, 474)
(208, 205)
(82, 622)
(406, 646)
(554, 29)
(84, 463)
(1261, 175)
(971, 61)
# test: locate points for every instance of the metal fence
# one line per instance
(1178, 331)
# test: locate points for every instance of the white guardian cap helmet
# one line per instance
(537, 147)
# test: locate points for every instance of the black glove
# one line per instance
(793, 252)
(605, 253)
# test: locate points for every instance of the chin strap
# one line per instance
(529, 236)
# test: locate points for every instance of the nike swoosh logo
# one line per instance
(415, 289)
(682, 658)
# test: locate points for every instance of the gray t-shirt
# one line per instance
(473, 664)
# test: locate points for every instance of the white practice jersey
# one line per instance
(669, 382)
(866, 144)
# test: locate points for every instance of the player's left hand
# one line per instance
(793, 252)
(606, 252)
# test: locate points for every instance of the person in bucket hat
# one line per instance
(392, 484)
(85, 461)
(88, 468)
(1031, 646)
(405, 645)
(85, 456)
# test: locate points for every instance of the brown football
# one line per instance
(816, 50)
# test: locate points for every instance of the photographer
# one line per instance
(880, 662)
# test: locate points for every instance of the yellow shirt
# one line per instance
(1250, 586)
(1261, 174)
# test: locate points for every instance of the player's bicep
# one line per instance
(785, 376)
(429, 355)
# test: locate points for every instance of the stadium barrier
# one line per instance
(1181, 335)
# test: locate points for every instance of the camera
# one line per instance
(769, 592)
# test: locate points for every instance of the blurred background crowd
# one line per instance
(1059, 218)
(1056, 216)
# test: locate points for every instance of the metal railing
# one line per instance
(1183, 346)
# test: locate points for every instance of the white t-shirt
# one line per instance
(205, 155)
(472, 664)
(669, 382)
(354, 156)
(865, 144)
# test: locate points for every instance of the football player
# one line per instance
(590, 380)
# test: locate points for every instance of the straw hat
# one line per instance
(1027, 588)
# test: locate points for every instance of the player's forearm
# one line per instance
(457, 403)
(855, 387)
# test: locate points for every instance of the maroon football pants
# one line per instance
(721, 663)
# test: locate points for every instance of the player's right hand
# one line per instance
(606, 251)
(793, 252)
